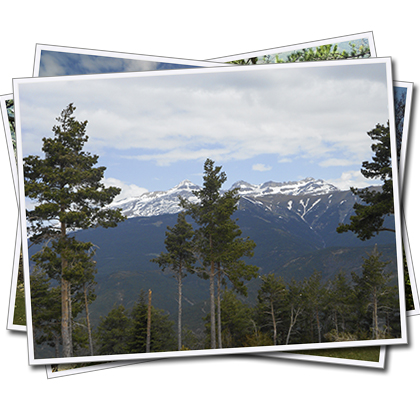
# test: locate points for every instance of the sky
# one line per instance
(269, 123)
(58, 63)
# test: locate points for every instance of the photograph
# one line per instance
(157, 139)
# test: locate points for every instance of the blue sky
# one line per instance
(58, 63)
(277, 123)
(399, 92)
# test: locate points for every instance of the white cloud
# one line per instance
(139, 65)
(179, 155)
(352, 179)
(54, 67)
(338, 162)
(127, 190)
(236, 115)
(261, 167)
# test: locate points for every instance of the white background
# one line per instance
(222, 387)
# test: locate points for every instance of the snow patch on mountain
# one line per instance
(167, 202)
(305, 186)
(158, 202)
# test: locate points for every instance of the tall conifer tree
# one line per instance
(113, 333)
(271, 301)
(373, 288)
(217, 239)
(295, 301)
(179, 258)
(314, 293)
(230, 248)
(369, 218)
(204, 214)
(340, 299)
(70, 195)
(46, 313)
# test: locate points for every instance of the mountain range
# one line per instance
(308, 209)
(292, 223)
(167, 202)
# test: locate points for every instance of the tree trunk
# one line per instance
(290, 326)
(88, 320)
(318, 325)
(274, 324)
(70, 316)
(219, 309)
(336, 320)
(212, 311)
(149, 322)
(293, 319)
(56, 345)
(375, 315)
(179, 307)
(65, 331)
(65, 310)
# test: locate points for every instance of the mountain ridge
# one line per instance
(167, 202)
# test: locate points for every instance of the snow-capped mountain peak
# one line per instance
(167, 202)
(157, 202)
(184, 185)
(304, 186)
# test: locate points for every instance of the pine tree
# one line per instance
(46, 313)
(409, 300)
(340, 300)
(314, 295)
(373, 288)
(204, 214)
(70, 195)
(295, 305)
(271, 302)
(236, 321)
(217, 239)
(19, 315)
(79, 273)
(10, 107)
(113, 332)
(231, 248)
(399, 108)
(162, 336)
(179, 258)
(369, 218)
(81, 270)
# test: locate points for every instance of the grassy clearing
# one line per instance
(370, 354)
